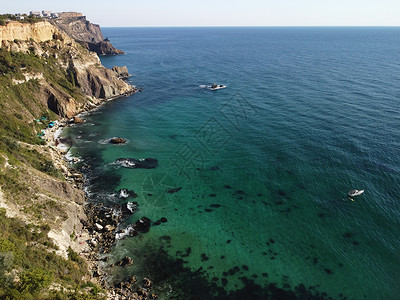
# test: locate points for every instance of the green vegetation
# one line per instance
(27, 19)
(29, 265)
(20, 103)
(19, 98)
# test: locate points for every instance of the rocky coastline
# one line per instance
(100, 225)
(86, 33)
(64, 80)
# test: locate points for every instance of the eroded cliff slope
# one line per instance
(67, 75)
(44, 75)
(86, 33)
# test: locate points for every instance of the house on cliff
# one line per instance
(46, 14)
(36, 14)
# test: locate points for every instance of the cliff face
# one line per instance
(102, 48)
(38, 32)
(82, 69)
(86, 33)
(44, 75)
(79, 29)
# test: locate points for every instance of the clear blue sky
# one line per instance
(222, 12)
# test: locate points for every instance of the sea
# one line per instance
(251, 181)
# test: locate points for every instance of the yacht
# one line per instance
(353, 193)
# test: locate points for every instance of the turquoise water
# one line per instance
(264, 165)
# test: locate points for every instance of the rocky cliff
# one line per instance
(38, 32)
(61, 57)
(44, 75)
(86, 33)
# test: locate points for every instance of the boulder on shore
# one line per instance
(77, 120)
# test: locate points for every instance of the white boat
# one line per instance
(353, 193)
(215, 87)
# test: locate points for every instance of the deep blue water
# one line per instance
(264, 165)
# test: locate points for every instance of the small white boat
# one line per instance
(215, 87)
(353, 193)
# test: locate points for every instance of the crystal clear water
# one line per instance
(264, 165)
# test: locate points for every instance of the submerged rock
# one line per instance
(147, 282)
(126, 261)
(173, 190)
(117, 140)
(132, 163)
(143, 225)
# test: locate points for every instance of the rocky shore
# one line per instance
(100, 225)
(57, 77)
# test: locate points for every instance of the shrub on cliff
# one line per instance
(33, 281)
(37, 267)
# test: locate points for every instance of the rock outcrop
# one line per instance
(102, 48)
(38, 32)
(121, 71)
(80, 67)
(86, 33)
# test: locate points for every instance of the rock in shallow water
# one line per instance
(132, 163)
(117, 140)
(173, 190)
(125, 193)
(77, 120)
(126, 261)
(143, 225)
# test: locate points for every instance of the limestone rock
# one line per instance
(85, 72)
(98, 226)
(121, 71)
(126, 261)
(38, 32)
(102, 48)
(87, 34)
(78, 28)
(109, 228)
(78, 120)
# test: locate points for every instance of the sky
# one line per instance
(149, 13)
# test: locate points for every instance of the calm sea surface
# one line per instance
(264, 165)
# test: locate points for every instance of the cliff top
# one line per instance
(70, 25)
(39, 32)
(70, 15)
